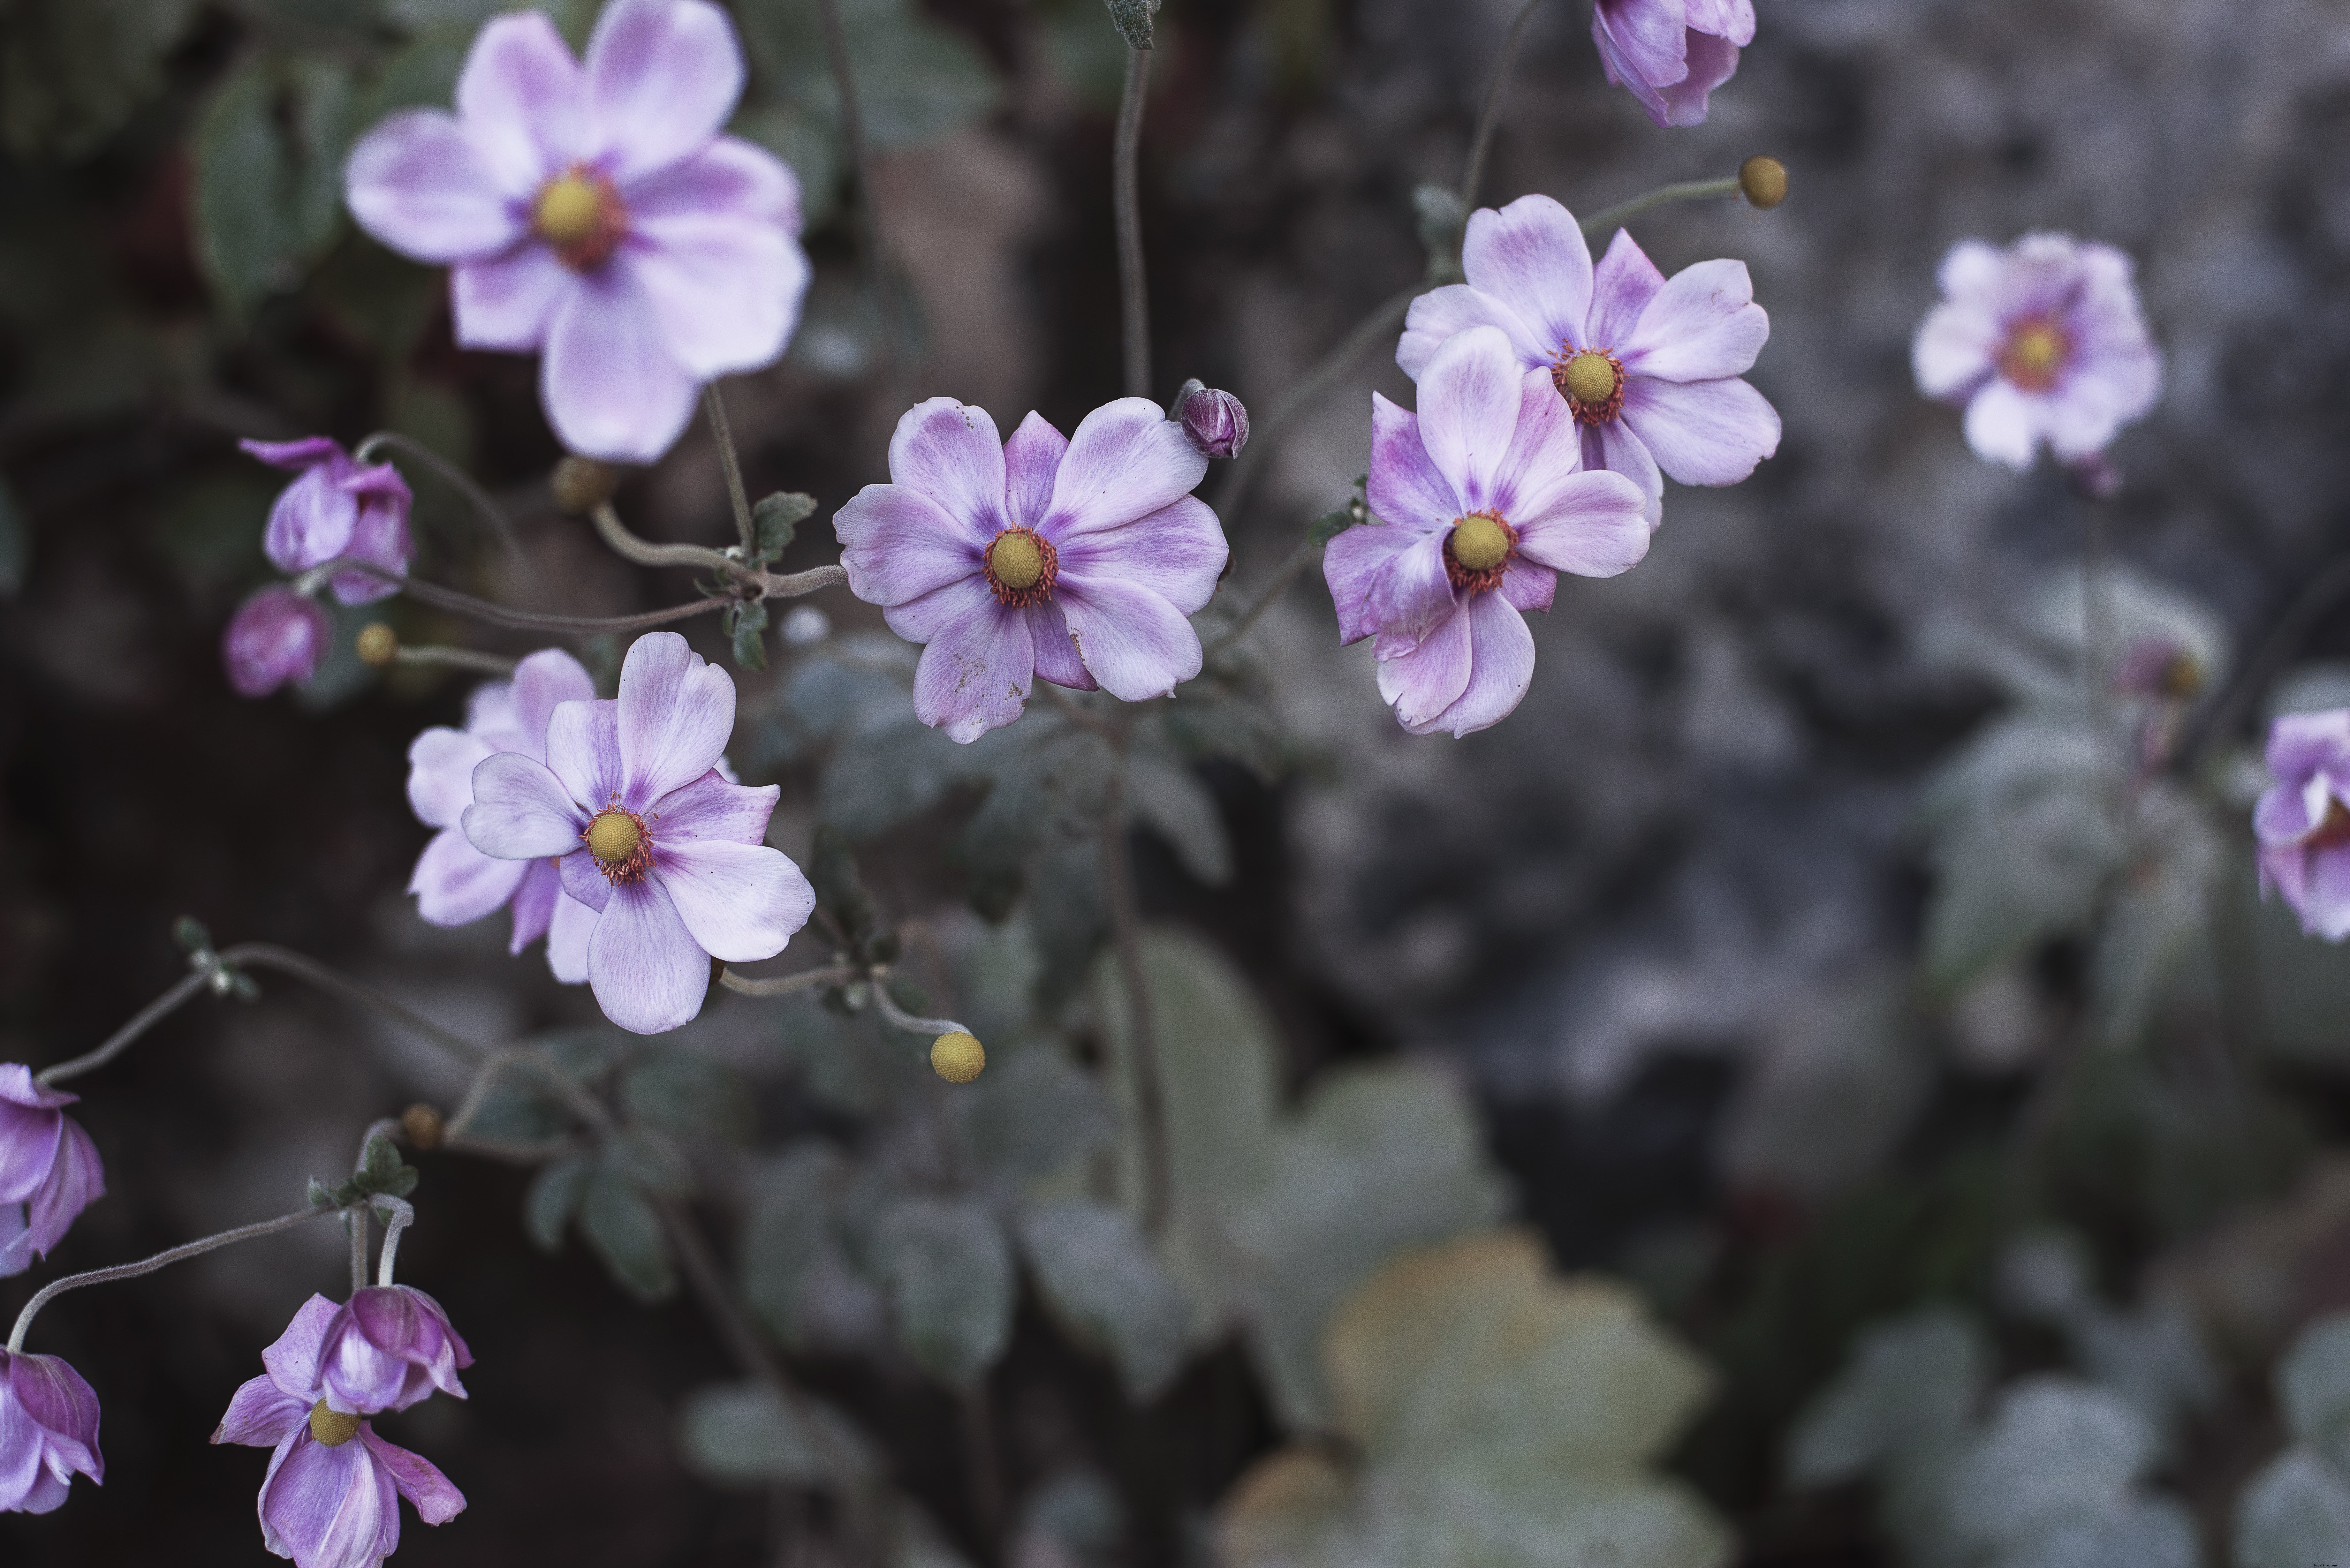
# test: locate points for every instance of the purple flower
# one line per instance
(2041, 341)
(593, 212)
(1483, 501)
(455, 882)
(1216, 421)
(1073, 558)
(48, 1429)
(335, 509)
(331, 1497)
(2302, 820)
(1672, 53)
(652, 836)
(1649, 368)
(387, 1347)
(49, 1171)
(275, 639)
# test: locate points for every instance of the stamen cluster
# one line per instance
(1592, 382)
(1478, 551)
(1020, 566)
(621, 844)
(581, 217)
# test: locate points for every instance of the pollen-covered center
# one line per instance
(2036, 353)
(332, 1428)
(1477, 552)
(1592, 382)
(1021, 565)
(622, 847)
(581, 216)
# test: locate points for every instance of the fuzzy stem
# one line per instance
(453, 659)
(439, 597)
(1684, 191)
(791, 586)
(1134, 291)
(628, 545)
(1489, 114)
(1142, 1037)
(787, 984)
(149, 1265)
(732, 462)
(264, 955)
(903, 1018)
(355, 1221)
(154, 1012)
(402, 1216)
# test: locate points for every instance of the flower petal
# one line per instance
(1955, 349)
(583, 750)
(293, 1360)
(677, 710)
(647, 972)
(611, 386)
(29, 1135)
(1613, 448)
(1056, 650)
(1532, 587)
(1352, 565)
(456, 884)
(567, 939)
(509, 301)
(1622, 284)
(583, 883)
(1711, 61)
(311, 521)
(1702, 432)
(417, 1479)
(726, 290)
(534, 902)
(1531, 255)
(2003, 424)
(1421, 684)
(77, 1180)
(1176, 552)
(521, 810)
(260, 1415)
(712, 808)
(323, 1506)
(1702, 326)
(1126, 459)
(418, 184)
(1456, 308)
(1500, 667)
(543, 682)
(1403, 487)
(1733, 20)
(1468, 398)
(441, 764)
(1644, 46)
(1593, 524)
(1413, 597)
(951, 452)
(729, 178)
(742, 902)
(1132, 642)
(1032, 459)
(898, 544)
(975, 674)
(522, 101)
(662, 77)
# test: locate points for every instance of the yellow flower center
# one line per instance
(1480, 542)
(1591, 376)
(613, 837)
(568, 210)
(1016, 559)
(2036, 353)
(333, 1428)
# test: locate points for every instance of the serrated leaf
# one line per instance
(380, 1161)
(746, 623)
(775, 519)
(689, 1097)
(947, 1271)
(268, 193)
(553, 1196)
(743, 1435)
(1332, 523)
(1102, 1280)
(1132, 19)
(624, 1230)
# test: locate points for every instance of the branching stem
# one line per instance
(149, 1265)
(732, 462)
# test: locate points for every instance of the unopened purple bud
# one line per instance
(387, 1347)
(48, 1430)
(1216, 421)
(276, 637)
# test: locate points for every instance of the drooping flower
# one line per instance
(2042, 341)
(2302, 819)
(49, 1170)
(336, 508)
(1483, 501)
(48, 1430)
(1075, 558)
(331, 1499)
(276, 638)
(1648, 367)
(456, 884)
(650, 834)
(1217, 422)
(1672, 54)
(591, 209)
(387, 1347)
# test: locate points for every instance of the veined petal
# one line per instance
(1643, 45)
(1702, 326)
(1622, 284)
(899, 543)
(1613, 448)
(583, 751)
(1413, 597)
(418, 184)
(1131, 640)
(725, 289)
(417, 1479)
(260, 1415)
(324, 1507)
(567, 939)
(950, 453)
(521, 810)
(662, 79)
(293, 1360)
(1711, 61)
(979, 664)
(1176, 552)
(456, 884)
(1421, 684)
(76, 1178)
(1469, 398)
(1352, 565)
(541, 682)
(1056, 650)
(534, 902)
(1126, 459)
(441, 764)
(712, 808)
(1532, 587)
(522, 101)
(1593, 524)
(677, 710)
(741, 902)
(583, 884)
(1702, 432)
(509, 301)
(1031, 460)
(311, 521)
(1545, 450)
(1732, 20)
(1456, 308)
(612, 388)
(648, 972)
(729, 178)
(1531, 255)
(1403, 487)
(1500, 667)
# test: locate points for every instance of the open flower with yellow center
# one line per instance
(1481, 500)
(331, 1498)
(591, 209)
(1650, 367)
(650, 834)
(1075, 558)
(2042, 341)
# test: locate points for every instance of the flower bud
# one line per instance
(1216, 421)
(424, 1125)
(581, 484)
(275, 638)
(2093, 477)
(51, 1416)
(1764, 182)
(958, 1057)
(377, 644)
(387, 1347)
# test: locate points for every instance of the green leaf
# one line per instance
(2295, 1514)
(1103, 1282)
(916, 79)
(624, 1228)
(648, 1157)
(16, 544)
(948, 1274)
(269, 151)
(774, 520)
(1132, 19)
(191, 934)
(553, 1196)
(2056, 1449)
(380, 1161)
(1332, 523)
(745, 621)
(1030, 1115)
(73, 73)
(1910, 1383)
(691, 1097)
(742, 1435)
(788, 1232)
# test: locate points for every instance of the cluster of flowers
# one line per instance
(338, 510)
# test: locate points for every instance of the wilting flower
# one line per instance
(2041, 341)
(1672, 54)
(387, 1347)
(1649, 368)
(652, 836)
(591, 209)
(48, 1429)
(2302, 819)
(1483, 501)
(49, 1172)
(455, 882)
(1073, 558)
(1216, 421)
(336, 508)
(331, 1499)
(275, 638)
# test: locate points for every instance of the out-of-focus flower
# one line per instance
(1672, 54)
(651, 835)
(1075, 558)
(275, 639)
(1483, 501)
(2302, 819)
(331, 1499)
(48, 1430)
(387, 1347)
(1216, 421)
(805, 626)
(336, 508)
(1648, 367)
(591, 209)
(49, 1172)
(2042, 341)
(455, 882)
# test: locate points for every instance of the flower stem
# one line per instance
(1284, 575)
(520, 620)
(729, 461)
(1684, 191)
(786, 986)
(1489, 114)
(900, 1017)
(2283, 640)
(1293, 400)
(154, 1012)
(1134, 291)
(791, 586)
(460, 480)
(285, 960)
(645, 554)
(453, 658)
(1142, 1037)
(403, 1215)
(354, 1220)
(149, 1265)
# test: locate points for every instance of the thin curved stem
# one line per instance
(1284, 575)
(1294, 397)
(788, 985)
(355, 1222)
(402, 1216)
(1133, 289)
(453, 659)
(645, 554)
(463, 483)
(732, 462)
(499, 615)
(582, 1103)
(55, 1288)
(792, 585)
(1682, 190)
(1489, 115)
(903, 1018)
(285, 960)
(146, 1017)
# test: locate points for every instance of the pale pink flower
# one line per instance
(1671, 54)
